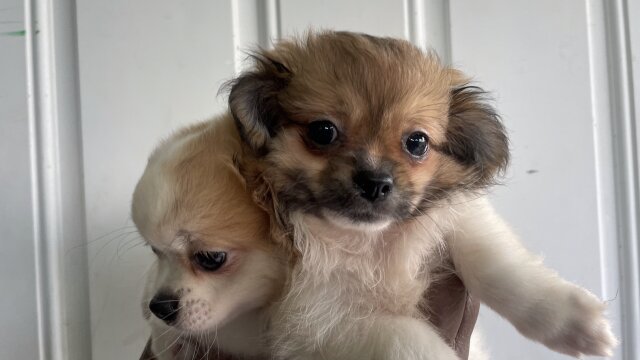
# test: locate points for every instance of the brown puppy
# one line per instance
(373, 157)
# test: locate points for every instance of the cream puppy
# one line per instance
(374, 158)
(216, 270)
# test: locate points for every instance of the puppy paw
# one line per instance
(580, 326)
(585, 339)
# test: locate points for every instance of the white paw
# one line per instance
(578, 325)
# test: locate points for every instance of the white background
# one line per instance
(18, 329)
(147, 67)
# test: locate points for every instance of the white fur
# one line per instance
(353, 294)
(497, 269)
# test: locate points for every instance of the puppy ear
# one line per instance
(475, 136)
(253, 100)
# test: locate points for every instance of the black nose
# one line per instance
(373, 186)
(165, 306)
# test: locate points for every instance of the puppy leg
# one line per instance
(496, 268)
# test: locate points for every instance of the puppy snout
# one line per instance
(165, 306)
(373, 186)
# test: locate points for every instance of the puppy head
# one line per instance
(214, 258)
(364, 130)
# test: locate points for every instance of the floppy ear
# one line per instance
(475, 136)
(253, 100)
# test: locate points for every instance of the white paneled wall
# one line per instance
(16, 217)
(381, 17)
(560, 72)
(534, 56)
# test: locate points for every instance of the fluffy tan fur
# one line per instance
(356, 284)
(191, 198)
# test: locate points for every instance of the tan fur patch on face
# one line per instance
(211, 199)
(292, 142)
(207, 198)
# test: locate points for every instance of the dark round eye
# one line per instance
(322, 132)
(210, 260)
(155, 251)
(417, 144)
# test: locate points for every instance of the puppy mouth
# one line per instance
(360, 215)
(184, 329)
(358, 219)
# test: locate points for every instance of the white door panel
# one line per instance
(539, 76)
(534, 58)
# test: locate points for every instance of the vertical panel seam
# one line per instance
(46, 36)
(235, 33)
(38, 243)
(416, 27)
(273, 21)
(625, 151)
(604, 158)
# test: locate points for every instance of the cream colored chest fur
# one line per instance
(368, 271)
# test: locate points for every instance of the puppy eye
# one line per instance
(210, 260)
(322, 132)
(417, 144)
